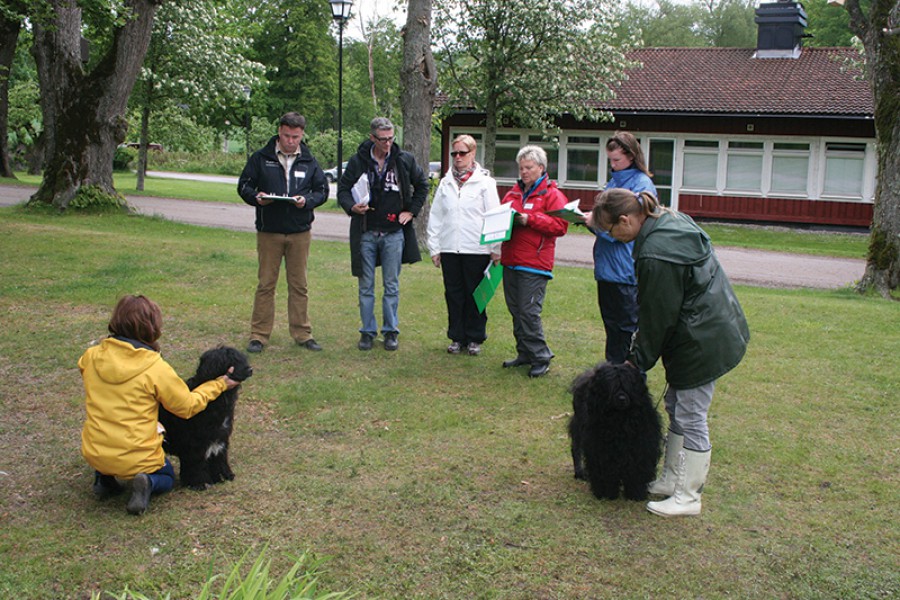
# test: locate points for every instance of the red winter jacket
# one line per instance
(534, 245)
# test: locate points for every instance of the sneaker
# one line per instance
(140, 494)
(365, 342)
(473, 349)
(310, 344)
(539, 370)
(390, 341)
(255, 346)
(454, 348)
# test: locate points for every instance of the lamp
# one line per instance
(246, 90)
(340, 12)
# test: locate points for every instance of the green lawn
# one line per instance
(425, 475)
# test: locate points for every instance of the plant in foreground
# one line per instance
(300, 582)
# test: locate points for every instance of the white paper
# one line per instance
(496, 223)
(360, 190)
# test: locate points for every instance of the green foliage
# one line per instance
(24, 117)
(719, 23)
(123, 158)
(323, 145)
(213, 162)
(92, 198)
(828, 25)
(176, 130)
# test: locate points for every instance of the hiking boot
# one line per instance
(255, 346)
(140, 494)
(390, 341)
(454, 348)
(473, 349)
(365, 342)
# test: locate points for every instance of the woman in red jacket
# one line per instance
(528, 257)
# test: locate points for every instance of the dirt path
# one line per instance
(749, 267)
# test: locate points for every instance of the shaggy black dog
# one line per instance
(615, 431)
(201, 442)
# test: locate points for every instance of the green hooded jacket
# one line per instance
(689, 315)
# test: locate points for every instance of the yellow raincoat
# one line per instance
(124, 387)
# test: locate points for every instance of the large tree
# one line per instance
(84, 108)
(418, 81)
(526, 63)
(877, 24)
(11, 17)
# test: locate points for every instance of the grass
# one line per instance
(425, 475)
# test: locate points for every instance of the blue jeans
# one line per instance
(388, 248)
(160, 481)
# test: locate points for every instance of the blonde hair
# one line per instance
(466, 140)
(611, 204)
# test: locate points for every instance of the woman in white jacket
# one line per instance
(455, 222)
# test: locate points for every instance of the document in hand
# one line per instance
(497, 224)
(483, 293)
(360, 189)
(282, 198)
(570, 212)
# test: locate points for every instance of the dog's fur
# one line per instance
(615, 431)
(201, 442)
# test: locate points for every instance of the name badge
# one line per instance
(529, 206)
(299, 174)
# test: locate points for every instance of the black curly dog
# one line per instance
(201, 442)
(615, 431)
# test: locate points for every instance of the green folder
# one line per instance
(493, 275)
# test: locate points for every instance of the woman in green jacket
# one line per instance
(690, 317)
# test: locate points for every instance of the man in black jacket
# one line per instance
(382, 190)
(284, 183)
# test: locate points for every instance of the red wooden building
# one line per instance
(777, 133)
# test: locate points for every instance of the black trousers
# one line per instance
(462, 274)
(619, 311)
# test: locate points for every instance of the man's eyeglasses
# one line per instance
(456, 153)
(389, 138)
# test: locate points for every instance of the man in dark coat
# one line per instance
(382, 190)
(285, 184)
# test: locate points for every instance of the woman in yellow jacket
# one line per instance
(125, 381)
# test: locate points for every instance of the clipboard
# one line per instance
(498, 224)
(290, 199)
(485, 290)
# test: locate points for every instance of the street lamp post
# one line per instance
(340, 12)
(246, 90)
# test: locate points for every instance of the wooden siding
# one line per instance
(745, 208)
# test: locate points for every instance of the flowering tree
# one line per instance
(192, 60)
(528, 62)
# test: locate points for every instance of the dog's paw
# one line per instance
(579, 474)
(199, 487)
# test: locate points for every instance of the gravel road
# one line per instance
(749, 267)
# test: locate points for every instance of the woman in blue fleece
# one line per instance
(613, 264)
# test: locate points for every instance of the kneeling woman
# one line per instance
(125, 381)
(690, 317)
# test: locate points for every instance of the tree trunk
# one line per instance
(490, 133)
(84, 113)
(9, 37)
(881, 40)
(418, 79)
(143, 144)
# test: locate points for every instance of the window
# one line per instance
(744, 167)
(583, 158)
(844, 168)
(701, 164)
(790, 168)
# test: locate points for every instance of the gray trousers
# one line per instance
(687, 415)
(524, 293)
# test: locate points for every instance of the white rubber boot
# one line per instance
(665, 485)
(691, 468)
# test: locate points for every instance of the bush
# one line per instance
(123, 158)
